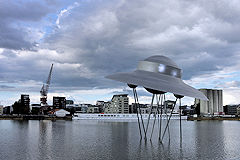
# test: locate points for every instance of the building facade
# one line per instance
(69, 102)
(100, 105)
(230, 109)
(93, 109)
(59, 102)
(25, 100)
(118, 104)
(215, 103)
(1, 109)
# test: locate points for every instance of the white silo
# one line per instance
(220, 101)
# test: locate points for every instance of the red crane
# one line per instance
(44, 90)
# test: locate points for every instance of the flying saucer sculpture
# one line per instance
(158, 75)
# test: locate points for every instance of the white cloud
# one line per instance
(64, 12)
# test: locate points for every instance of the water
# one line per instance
(92, 139)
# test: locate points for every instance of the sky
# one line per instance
(89, 39)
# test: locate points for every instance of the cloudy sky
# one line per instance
(89, 39)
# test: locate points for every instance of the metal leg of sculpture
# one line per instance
(160, 125)
(180, 114)
(155, 115)
(169, 118)
(144, 130)
(149, 116)
(135, 99)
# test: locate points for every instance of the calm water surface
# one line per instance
(92, 139)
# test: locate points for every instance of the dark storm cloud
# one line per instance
(202, 37)
(16, 19)
(97, 38)
(13, 35)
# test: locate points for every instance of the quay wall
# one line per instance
(213, 118)
(33, 117)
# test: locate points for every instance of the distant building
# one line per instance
(144, 110)
(187, 110)
(100, 105)
(7, 109)
(69, 102)
(230, 109)
(35, 108)
(70, 105)
(214, 105)
(59, 102)
(83, 108)
(1, 109)
(133, 107)
(35, 105)
(169, 104)
(118, 104)
(22, 106)
(93, 109)
(25, 100)
(238, 110)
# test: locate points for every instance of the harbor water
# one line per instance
(103, 139)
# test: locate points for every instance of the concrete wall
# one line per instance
(220, 101)
(203, 104)
(1, 109)
(210, 102)
(215, 103)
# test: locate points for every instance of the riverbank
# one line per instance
(33, 117)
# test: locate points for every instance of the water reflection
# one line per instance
(207, 141)
(116, 140)
(45, 139)
(119, 140)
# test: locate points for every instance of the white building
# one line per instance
(93, 109)
(61, 113)
(118, 104)
(215, 103)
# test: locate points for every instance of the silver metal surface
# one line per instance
(149, 76)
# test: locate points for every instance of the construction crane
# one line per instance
(44, 90)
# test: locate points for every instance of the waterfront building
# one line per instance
(7, 109)
(69, 102)
(144, 110)
(35, 108)
(25, 100)
(118, 104)
(1, 109)
(84, 108)
(230, 109)
(133, 107)
(59, 102)
(93, 109)
(168, 104)
(22, 106)
(238, 110)
(80, 108)
(100, 105)
(214, 105)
